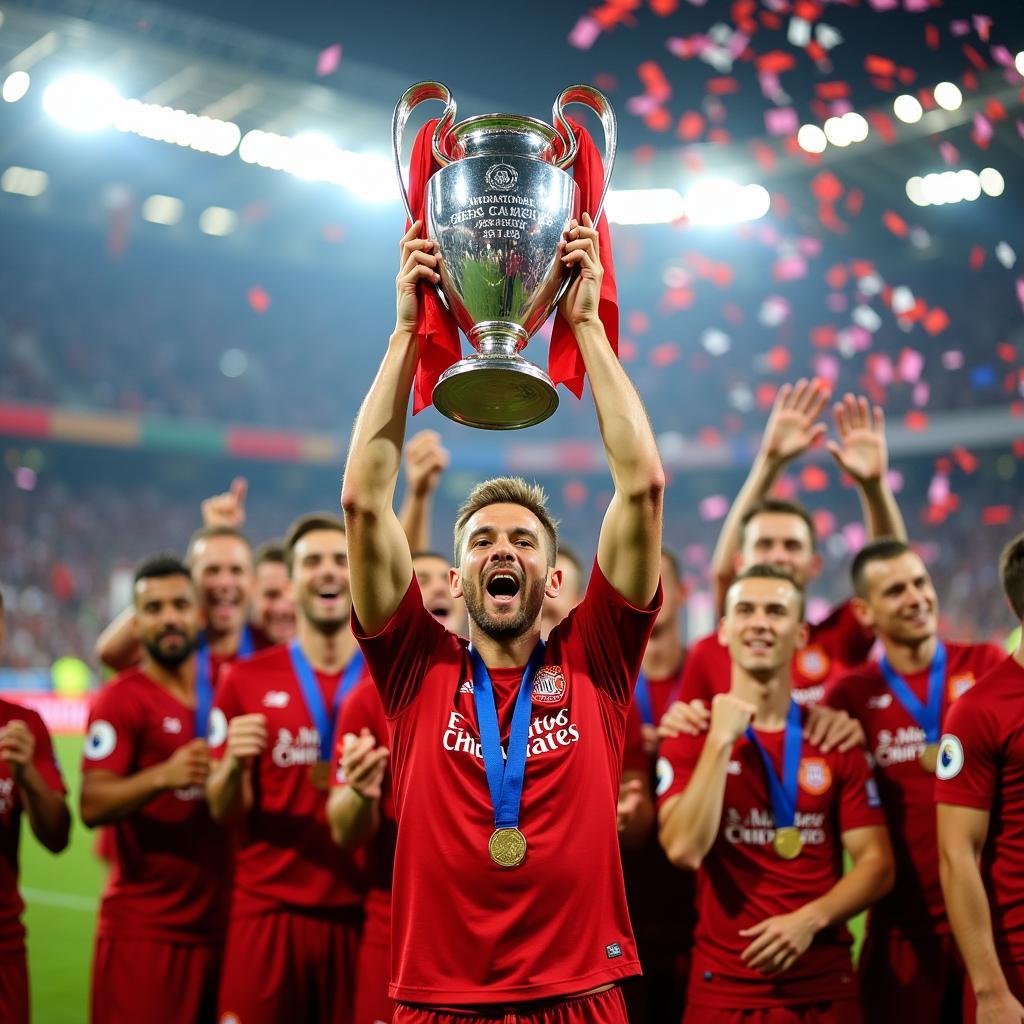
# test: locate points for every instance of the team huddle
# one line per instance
(341, 779)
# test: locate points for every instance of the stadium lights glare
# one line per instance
(24, 181)
(164, 210)
(1018, 62)
(218, 220)
(856, 126)
(811, 139)
(15, 86)
(908, 108)
(837, 132)
(948, 96)
(954, 187)
(167, 124)
(719, 201)
(644, 206)
(82, 103)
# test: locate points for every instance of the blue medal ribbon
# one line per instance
(313, 695)
(204, 677)
(928, 716)
(505, 774)
(642, 696)
(783, 791)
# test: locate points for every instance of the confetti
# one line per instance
(584, 33)
(258, 299)
(1006, 255)
(996, 515)
(327, 61)
(713, 507)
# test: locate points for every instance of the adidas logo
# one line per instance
(467, 686)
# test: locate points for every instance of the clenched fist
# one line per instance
(247, 737)
(188, 766)
(17, 747)
(730, 717)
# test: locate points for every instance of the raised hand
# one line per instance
(690, 718)
(17, 747)
(794, 425)
(730, 716)
(227, 509)
(862, 450)
(425, 460)
(188, 766)
(363, 764)
(418, 262)
(247, 737)
(581, 248)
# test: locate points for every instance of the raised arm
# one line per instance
(629, 548)
(118, 645)
(45, 807)
(792, 428)
(962, 835)
(380, 563)
(862, 451)
(425, 461)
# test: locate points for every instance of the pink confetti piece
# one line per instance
(916, 5)
(713, 507)
(982, 129)
(950, 154)
(818, 609)
(641, 106)
(895, 480)
(921, 393)
(584, 33)
(910, 365)
(1020, 127)
(327, 61)
(837, 302)
(782, 121)
(952, 360)
(982, 25)
(884, 5)
(790, 268)
(826, 367)
(938, 490)
(960, 27)
(1020, 290)
(737, 44)
(855, 536)
(1001, 55)
(880, 367)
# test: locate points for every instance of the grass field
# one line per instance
(61, 894)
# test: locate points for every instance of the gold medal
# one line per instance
(788, 843)
(930, 757)
(507, 847)
(320, 774)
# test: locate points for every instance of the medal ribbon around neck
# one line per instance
(642, 696)
(505, 775)
(783, 791)
(928, 716)
(204, 677)
(314, 697)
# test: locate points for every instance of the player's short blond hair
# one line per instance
(507, 490)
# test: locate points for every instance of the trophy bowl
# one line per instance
(498, 209)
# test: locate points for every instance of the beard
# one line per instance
(328, 625)
(169, 658)
(504, 627)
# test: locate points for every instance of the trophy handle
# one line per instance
(412, 98)
(599, 103)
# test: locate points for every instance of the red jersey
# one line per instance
(895, 743)
(170, 875)
(981, 765)
(742, 881)
(835, 644)
(464, 930)
(363, 710)
(12, 932)
(285, 857)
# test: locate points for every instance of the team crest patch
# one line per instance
(812, 663)
(549, 685)
(815, 775)
(951, 758)
(960, 684)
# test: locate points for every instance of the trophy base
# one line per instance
(495, 392)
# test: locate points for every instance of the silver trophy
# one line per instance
(498, 208)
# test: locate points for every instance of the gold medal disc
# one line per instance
(320, 774)
(507, 847)
(930, 757)
(788, 843)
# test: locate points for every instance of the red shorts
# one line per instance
(845, 1011)
(373, 1004)
(284, 965)
(1014, 978)
(159, 982)
(603, 1008)
(913, 980)
(13, 989)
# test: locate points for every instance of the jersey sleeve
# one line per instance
(634, 757)
(45, 758)
(226, 705)
(840, 695)
(611, 633)
(696, 684)
(112, 738)
(402, 652)
(860, 805)
(362, 710)
(677, 759)
(848, 641)
(968, 769)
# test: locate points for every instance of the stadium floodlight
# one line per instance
(83, 103)
(991, 182)
(367, 175)
(164, 210)
(915, 191)
(168, 124)
(218, 220)
(719, 201)
(811, 139)
(24, 181)
(644, 206)
(908, 108)
(15, 86)
(970, 186)
(1018, 62)
(948, 96)
(856, 126)
(837, 132)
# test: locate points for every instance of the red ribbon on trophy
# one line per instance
(439, 343)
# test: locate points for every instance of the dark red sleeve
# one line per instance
(839, 695)
(402, 652)
(970, 754)
(634, 757)
(677, 759)
(44, 758)
(610, 633)
(843, 637)
(696, 683)
(859, 803)
(112, 738)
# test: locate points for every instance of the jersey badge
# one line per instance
(172, 725)
(549, 685)
(879, 702)
(951, 758)
(276, 699)
(466, 687)
(815, 775)
(101, 741)
(960, 684)
(812, 663)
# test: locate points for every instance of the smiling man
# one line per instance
(508, 894)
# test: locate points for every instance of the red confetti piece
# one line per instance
(832, 90)
(658, 120)
(665, 354)
(828, 219)
(994, 110)
(575, 492)
(807, 9)
(770, 20)
(895, 223)
(826, 187)
(764, 155)
(816, 51)
(813, 478)
(1006, 351)
(765, 395)
(931, 36)
(327, 61)
(639, 322)
(977, 259)
(996, 515)
(854, 202)
(823, 337)
(654, 81)
(778, 358)
(906, 75)
(722, 86)
(916, 421)
(965, 460)
(627, 350)
(663, 8)
(1018, 448)
(709, 437)
(259, 300)
(836, 276)
(883, 125)
(719, 136)
(935, 321)
(880, 66)
(606, 82)
(644, 154)
(775, 61)
(691, 126)
(333, 233)
(975, 58)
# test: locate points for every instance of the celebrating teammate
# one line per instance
(980, 795)
(295, 914)
(766, 816)
(909, 968)
(30, 784)
(273, 609)
(762, 530)
(162, 917)
(508, 894)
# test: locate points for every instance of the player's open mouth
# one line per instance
(758, 646)
(502, 586)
